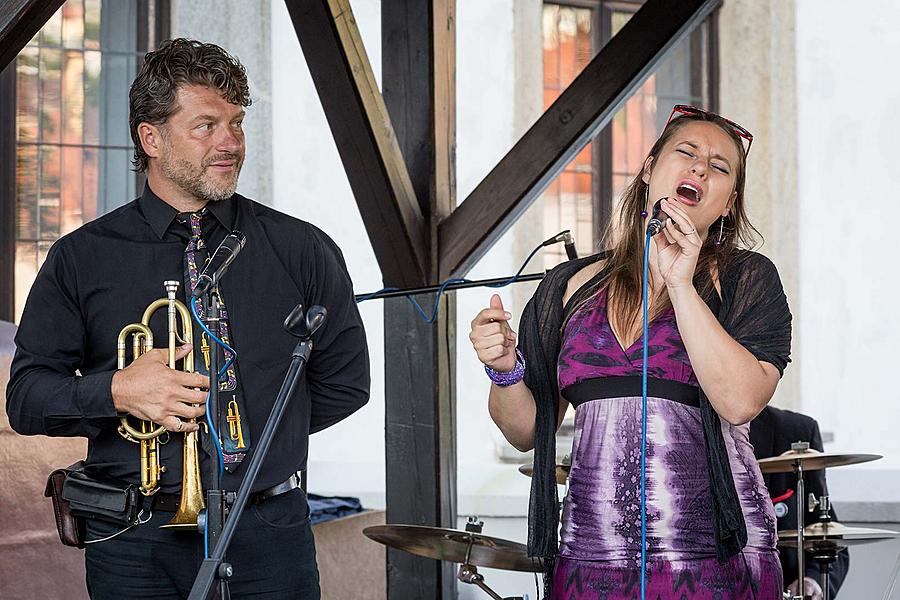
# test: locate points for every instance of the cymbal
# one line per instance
(562, 472)
(451, 545)
(832, 533)
(812, 460)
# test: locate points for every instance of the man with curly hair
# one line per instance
(186, 117)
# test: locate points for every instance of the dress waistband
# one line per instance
(629, 386)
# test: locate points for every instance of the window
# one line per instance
(72, 144)
(583, 196)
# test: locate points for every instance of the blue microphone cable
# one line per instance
(644, 424)
(209, 420)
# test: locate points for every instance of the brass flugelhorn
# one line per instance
(147, 433)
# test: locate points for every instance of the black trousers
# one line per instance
(273, 554)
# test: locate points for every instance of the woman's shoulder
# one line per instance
(582, 277)
(565, 278)
(748, 265)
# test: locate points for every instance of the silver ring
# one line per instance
(180, 424)
(691, 232)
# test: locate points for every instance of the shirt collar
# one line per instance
(160, 214)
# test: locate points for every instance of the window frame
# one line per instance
(601, 32)
(147, 36)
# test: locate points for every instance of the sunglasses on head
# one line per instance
(688, 110)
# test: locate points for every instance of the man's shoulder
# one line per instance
(273, 220)
(115, 223)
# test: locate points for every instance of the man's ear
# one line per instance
(646, 171)
(151, 139)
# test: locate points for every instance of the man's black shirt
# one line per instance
(102, 276)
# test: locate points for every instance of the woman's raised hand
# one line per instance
(492, 337)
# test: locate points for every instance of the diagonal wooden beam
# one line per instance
(584, 108)
(365, 138)
(20, 20)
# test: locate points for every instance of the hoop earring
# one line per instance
(721, 230)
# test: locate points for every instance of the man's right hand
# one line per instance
(492, 337)
(150, 390)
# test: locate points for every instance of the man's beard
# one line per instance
(193, 179)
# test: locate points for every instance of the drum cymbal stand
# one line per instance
(468, 573)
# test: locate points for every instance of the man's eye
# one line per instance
(205, 126)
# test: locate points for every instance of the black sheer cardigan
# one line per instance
(752, 309)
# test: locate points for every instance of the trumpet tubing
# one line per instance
(147, 434)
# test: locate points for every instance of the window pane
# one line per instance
(73, 98)
(116, 75)
(48, 198)
(26, 192)
(27, 95)
(92, 24)
(50, 74)
(90, 183)
(26, 270)
(51, 32)
(73, 145)
(71, 193)
(92, 67)
(73, 24)
(568, 48)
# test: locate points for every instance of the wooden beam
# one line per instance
(365, 139)
(584, 108)
(418, 74)
(20, 20)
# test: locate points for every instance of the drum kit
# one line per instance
(822, 540)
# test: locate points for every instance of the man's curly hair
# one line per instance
(176, 63)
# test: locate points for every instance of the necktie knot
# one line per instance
(193, 222)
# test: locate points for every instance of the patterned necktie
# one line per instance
(234, 428)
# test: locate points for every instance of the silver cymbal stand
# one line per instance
(469, 573)
(801, 493)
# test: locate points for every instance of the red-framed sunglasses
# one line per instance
(688, 110)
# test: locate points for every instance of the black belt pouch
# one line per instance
(91, 497)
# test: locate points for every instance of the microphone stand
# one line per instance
(215, 495)
(215, 568)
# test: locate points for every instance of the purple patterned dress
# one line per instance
(600, 546)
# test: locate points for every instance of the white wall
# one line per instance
(310, 183)
(486, 99)
(848, 98)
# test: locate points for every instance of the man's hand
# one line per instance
(811, 589)
(150, 390)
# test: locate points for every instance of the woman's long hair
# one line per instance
(625, 234)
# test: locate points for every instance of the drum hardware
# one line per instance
(470, 548)
(562, 470)
(826, 538)
(813, 460)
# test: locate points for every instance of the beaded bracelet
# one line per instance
(507, 378)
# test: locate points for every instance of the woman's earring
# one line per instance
(721, 230)
(646, 196)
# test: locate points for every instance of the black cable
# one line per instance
(452, 284)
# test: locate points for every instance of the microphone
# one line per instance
(569, 244)
(566, 238)
(218, 264)
(657, 220)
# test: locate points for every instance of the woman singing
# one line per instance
(718, 342)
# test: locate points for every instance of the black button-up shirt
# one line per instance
(102, 276)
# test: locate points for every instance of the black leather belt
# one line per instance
(170, 502)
